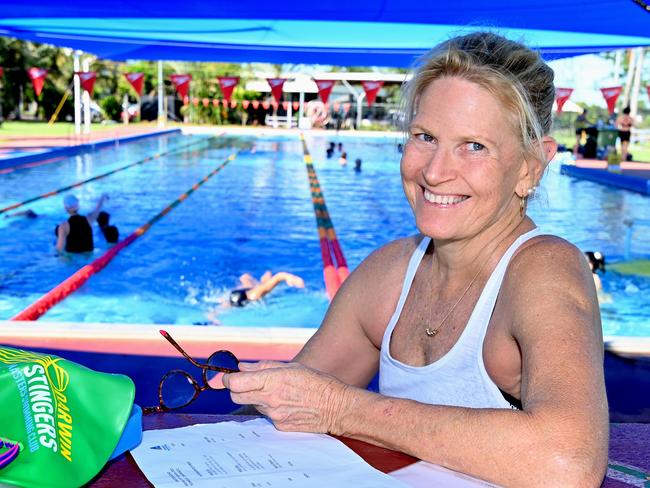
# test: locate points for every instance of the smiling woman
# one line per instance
(485, 332)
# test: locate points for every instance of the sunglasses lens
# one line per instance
(220, 359)
(178, 389)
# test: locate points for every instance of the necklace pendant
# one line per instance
(430, 332)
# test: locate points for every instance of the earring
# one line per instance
(522, 205)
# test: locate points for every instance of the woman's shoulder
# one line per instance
(396, 253)
(547, 251)
(545, 262)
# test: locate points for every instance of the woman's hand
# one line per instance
(294, 397)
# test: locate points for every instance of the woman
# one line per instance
(486, 333)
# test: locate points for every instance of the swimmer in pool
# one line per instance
(250, 289)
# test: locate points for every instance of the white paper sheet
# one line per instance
(249, 455)
(427, 475)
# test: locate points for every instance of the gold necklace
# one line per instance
(432, 332)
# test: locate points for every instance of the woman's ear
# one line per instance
(533, 167)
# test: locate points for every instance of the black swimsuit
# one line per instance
(238, 297)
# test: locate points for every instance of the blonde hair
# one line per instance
(512, 72)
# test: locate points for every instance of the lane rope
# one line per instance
(335, 267)
(103, 175)
(76, 280)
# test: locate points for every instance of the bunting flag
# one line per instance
(346, 107)
(372, 88)
(337, 105)
(87, 80)
(275, 105)
(285, 106)
(37, 75)
(325, 88)
(296, 106)
(227, 84)
(561, 96)
(186, 100)
(255, 104)
(233, 103)
(195, 101)
(224, 102)
(647, 88)
(136, 80)
(215, 102)
(206, 102)
(266, 105)
(611, 95)
(2, 72)
(245, 104)
(181, 83)
(276, 85)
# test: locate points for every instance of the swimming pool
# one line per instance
(256, 214)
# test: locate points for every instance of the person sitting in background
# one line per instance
(485, 331)
(250, 289)
(75, 235)
(111, 233)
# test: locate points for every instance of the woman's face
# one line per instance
(463, 162)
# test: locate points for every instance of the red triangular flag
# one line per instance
(371, 88)
(246, 103)
(256, 104)
(233, 103)
(346, 107)
(325, 88)
(561, 96)
(181, 83)
(37, 75)
(227, 84)
(285, 106)
(215, 102)
(296, 106)
(206, 102)
(195, 101)
(276, 87)
(224, 103)
(136, 80)
(2, 72)
(87, 80)
(266, 105)
(611, 95)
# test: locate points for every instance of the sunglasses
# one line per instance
(10, 454)
(178, 388)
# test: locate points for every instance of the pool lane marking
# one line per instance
(97, 177)
(76, 280)
(31, 165)
(335, 267)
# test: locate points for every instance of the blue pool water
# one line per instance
(256, 214)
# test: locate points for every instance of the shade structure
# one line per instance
(363, 32)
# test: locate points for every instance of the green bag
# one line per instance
(67, 419)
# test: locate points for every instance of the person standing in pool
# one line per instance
(250, 289)
(624, 124)
(75, 235)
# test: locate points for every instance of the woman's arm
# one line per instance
(61, 236)
(558, 439)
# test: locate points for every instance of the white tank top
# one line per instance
(459, 377)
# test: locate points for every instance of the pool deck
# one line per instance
(632, 175)
(19, 152)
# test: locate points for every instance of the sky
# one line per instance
(586, 75)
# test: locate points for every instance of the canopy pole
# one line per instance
(161, 94)
(86, 99)
(360, 109)
(77, 93)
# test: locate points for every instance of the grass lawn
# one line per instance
(37, 129)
